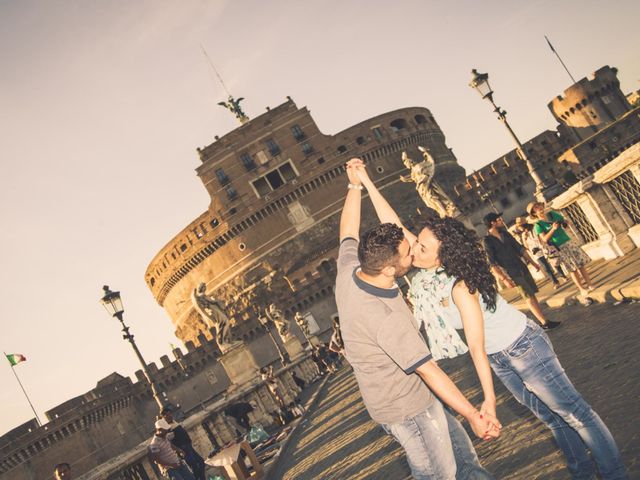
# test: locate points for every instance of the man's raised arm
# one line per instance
(350, 219)
(385, 212)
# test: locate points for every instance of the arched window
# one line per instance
(398, 124)
(420, 119)
(360, 140)
(342, 149)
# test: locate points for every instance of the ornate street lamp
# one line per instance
(264, 321)
(545, 189)
(113, 305)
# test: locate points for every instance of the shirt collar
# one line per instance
(372, 289)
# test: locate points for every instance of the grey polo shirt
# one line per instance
(382, 343)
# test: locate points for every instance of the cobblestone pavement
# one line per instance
(596, 345)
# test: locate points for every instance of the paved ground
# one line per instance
(597, 346)
(614, 280)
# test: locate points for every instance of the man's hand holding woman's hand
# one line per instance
(484, 425)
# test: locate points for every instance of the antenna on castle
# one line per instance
(231, 104)
(557, 55)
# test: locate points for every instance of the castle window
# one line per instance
(214, 223)
(183, 247)
(342, 149)
(307, 148)
(273, 147)
(274, 179)
(320, 160)
(377, 132)
(360, 140)
(231, 192)
(222, 177)
(152, 281)
(298, 134)
(287, 172)
(247, 161)
(398, 124)
(420, 119)
(519, 192)
(505, 202)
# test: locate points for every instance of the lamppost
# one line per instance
(113, 305)
(483, 193)
(264, 321)
(545, 189)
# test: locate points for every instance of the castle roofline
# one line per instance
(220, 142)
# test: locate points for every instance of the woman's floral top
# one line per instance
(431, 298)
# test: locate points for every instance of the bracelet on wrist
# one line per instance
(353, 186)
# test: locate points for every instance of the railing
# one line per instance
(581, 223)
(626, 189)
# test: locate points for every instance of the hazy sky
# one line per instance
(103, 103)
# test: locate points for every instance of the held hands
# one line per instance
(352, 169)
(484, 425)
(359, 169)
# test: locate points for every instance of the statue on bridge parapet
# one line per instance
(274, 314)
(214, 315)
(302, 323)
(432, 194)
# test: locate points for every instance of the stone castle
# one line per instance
(276, 185)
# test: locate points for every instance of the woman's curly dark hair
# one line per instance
(462, 257)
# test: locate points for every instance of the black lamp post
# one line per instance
(545, 189)
(113, 305)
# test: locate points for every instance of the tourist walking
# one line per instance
(545, 255)
(455, 283)
(507, 260)
(180, 438)
(551, 228)
(166, 455)
(395, 371)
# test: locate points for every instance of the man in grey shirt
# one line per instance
(392, 364)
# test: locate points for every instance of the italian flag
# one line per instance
(15, 358)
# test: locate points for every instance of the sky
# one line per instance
(103, 104)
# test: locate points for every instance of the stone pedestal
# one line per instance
(240, 365)
(293, 347)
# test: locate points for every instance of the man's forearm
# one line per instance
(440, 383)
(350, 219)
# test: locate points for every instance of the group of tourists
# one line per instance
(454, 289)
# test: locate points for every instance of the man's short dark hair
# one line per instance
(60, 466)
(378, 248)
(491, 217)
(166, 409)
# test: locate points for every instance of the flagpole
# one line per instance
(556, 53)
(25, 393)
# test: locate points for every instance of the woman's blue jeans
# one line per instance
(437, 446)
(530, 369)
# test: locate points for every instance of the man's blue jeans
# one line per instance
(437, 446)
(180, 473)
(530, 369)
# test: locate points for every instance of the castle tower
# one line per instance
(277, 185)
(589, 105)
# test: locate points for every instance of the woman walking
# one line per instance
(550, 228)
(455, 280)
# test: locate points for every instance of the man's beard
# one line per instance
(401, 272)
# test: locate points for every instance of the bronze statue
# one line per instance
(233, 106)
(213, 314)
(275, 315)
(431, 193)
